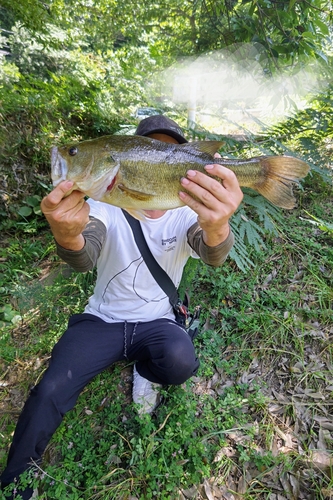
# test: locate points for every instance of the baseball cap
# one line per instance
(160, 124)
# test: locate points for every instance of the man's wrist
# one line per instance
(214, 239)
(74, 244)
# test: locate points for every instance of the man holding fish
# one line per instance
(128, 316)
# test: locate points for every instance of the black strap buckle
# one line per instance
(193, 320)
(181, 313)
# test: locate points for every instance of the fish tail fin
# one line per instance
(280, 175)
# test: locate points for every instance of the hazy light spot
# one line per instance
(231, 85)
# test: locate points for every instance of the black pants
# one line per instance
(163, 353)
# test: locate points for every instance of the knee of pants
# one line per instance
(182, 364)
(55, 391)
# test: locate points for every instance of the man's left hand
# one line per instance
(213, 201)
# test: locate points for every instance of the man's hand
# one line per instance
(67, 215)
(215, 203)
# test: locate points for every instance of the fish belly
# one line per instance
(147, 187)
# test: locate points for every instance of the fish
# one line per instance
(140, 173)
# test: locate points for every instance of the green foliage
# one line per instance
(103, 449)
(32, 13)
(284, 32)
(287, 31)
(102, 457)
(16, 257)
(310, 131)
(31, 205)
(8, 315)
(55, 91)
(322, 225)
(63, 80)
(70, 72)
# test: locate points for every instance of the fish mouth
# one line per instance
(58, 167)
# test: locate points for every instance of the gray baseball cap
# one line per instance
(160, 124)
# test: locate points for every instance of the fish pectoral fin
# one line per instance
(137, 195)
(210, 147)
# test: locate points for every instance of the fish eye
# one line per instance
(72, 151)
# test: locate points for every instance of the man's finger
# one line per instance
(204, 187)
(62, 191)
(227, 176)
(53, 199)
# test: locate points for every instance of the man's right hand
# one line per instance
(67, 215)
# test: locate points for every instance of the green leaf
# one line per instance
(25, 211)
(321, 54)
(252, 8)
(37, 210)
(291, 5)
(33, 201)
(322, 27)
(308, 35)
(9, 314)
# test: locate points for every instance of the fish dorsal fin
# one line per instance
(208, 147)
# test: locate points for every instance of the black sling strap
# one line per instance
(162, 278)
(190, 322)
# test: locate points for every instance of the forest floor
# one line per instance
(256, 422)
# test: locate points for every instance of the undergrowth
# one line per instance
(258, 330)
(256, 420)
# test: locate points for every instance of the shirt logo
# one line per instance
(169, 241)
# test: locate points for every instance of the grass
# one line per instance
(257, 420)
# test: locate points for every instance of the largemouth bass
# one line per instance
(139, 173)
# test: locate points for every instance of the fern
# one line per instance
(268, 215)
(240, 255)
(250, 234)
(308, 135)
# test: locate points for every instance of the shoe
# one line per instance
(145, 393)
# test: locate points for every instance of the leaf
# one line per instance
(324, 422)
(252, 9)
(313, 394)
(37, 210)
(309, 35)
(241, 258)
(190, 492)
(322, 27)
(321, 459)
(321, 54)
(16, 319)
(208, 490)
(226, 451)
(291, 5)
(33, 201)
(25, 211)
